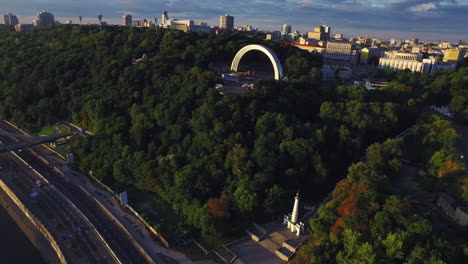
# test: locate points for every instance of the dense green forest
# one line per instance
(219, 161)
(160, 126)
(370, 221)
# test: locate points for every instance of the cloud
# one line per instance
(423, 7)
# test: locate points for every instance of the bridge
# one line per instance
(30, 141)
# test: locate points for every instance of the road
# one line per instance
(87, 241)
(117, 239)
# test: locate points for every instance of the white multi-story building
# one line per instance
(184, 25)
(413, 62)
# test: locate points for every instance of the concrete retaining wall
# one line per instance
(34, 220)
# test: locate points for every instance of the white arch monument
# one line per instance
(271, 55)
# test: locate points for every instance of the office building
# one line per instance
(320, 33)
(44, 19)
(338, 36)
(246, 28)
(413, 62)
(226, 22)
(452, 55)
(203, 27)
(286, 29)
(127, 20)
(141, 23)
(371, 55)
(184, 25)
(327, 31)
(164, 18)
(340, 53)
(274, 36)
(10, 19)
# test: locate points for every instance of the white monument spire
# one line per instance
(295, 212)
(292, 220)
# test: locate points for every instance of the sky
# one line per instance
(429, 20)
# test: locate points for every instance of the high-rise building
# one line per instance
(286, 29)
(164, 18)
(327, 31)
(226, 22)
(44, 19)
(10, 19)
(127, 20)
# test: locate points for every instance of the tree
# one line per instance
(245, 200)
(394, 245)
(274, 201)
(219, 208)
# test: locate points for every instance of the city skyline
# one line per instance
(427, 20)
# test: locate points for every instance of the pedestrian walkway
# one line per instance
(137, 229)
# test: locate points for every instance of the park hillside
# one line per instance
(216, 163)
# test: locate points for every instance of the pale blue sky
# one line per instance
(424, 19)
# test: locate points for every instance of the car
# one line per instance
(39, 183)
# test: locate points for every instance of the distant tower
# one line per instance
(164, 18)
(327, 31)
(44, 19)
(99, 17)
(226, 22)
(10, 19)
(292, 220)
(156, 21)
(81, 19)
(286, 29)
(127, 20)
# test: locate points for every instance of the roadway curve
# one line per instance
(117, 239)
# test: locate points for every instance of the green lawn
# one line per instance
(62, 128)
(47, 131)
(63, 149)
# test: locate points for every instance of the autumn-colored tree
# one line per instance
(218, 208)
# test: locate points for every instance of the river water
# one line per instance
(15, 246)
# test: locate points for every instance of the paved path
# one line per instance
(133, 225)
(251, 252)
